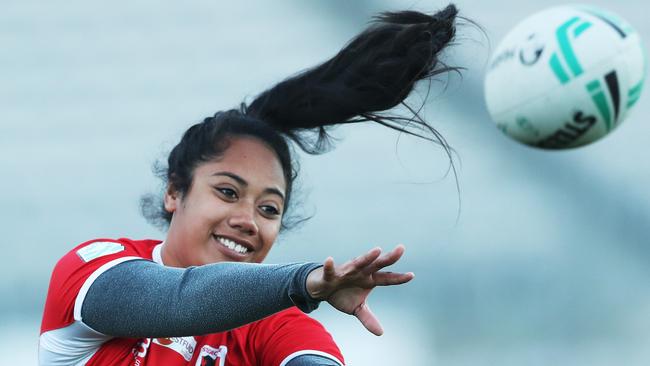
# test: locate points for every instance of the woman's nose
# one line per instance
(243, 219)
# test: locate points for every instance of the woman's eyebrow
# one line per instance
(234, 176)
(274, 191)
(244, 183)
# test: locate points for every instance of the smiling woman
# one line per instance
(232, 211)
(202, 296)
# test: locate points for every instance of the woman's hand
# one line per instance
(346, 287)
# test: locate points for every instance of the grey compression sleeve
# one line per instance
(140, 298)
(312, 360)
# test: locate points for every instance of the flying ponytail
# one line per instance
(375, 72)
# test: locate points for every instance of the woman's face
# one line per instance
(232, 211)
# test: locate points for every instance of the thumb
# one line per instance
(368, 319)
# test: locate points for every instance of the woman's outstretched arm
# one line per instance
(140, 298)
(149, 300)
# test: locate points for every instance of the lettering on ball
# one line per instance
(569, 132)
(531, 51)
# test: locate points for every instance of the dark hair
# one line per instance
(375, 72)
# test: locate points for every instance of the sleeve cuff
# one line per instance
(298, 291)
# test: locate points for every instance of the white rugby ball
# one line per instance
(565, 77)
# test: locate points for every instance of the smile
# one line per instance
(232, 245)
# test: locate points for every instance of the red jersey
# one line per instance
(66, 340)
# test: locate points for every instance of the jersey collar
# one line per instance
(156, 255)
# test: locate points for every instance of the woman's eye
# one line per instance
(270, 210)
(228, 192)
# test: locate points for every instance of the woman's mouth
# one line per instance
(232, 245)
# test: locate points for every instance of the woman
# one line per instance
(202, 297)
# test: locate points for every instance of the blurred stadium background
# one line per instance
(546, 264)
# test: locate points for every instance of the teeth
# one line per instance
(232, 245)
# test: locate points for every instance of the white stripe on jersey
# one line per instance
(81, 296)
(72, 345)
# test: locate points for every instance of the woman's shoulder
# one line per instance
(88, 257)
(76, 271)
(100, 247)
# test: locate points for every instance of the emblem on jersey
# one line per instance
(211, 356)
(99, 249)
(182, 345)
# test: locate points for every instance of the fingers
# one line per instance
(386, 260)
(328, 269)
(391, 278)
(366, 259)
(368, 319)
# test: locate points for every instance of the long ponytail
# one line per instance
(375, 72)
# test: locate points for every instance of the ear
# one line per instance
(171, 199)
